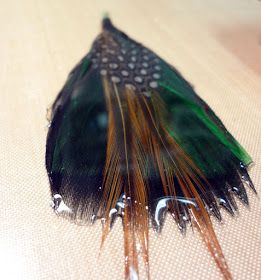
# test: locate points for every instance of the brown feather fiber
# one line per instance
(136, 129)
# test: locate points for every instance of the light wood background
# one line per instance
(216, 44)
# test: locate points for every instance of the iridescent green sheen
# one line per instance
(196, 127)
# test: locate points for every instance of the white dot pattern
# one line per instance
(126, 63)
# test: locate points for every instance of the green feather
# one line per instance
(195, 126)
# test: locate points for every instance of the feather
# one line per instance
(129, 137)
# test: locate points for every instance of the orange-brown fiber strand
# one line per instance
(140, 145)
(135, 218)
(189, 177)
(143, 135)
(129, 221)
(112, 182)
(201, 218)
